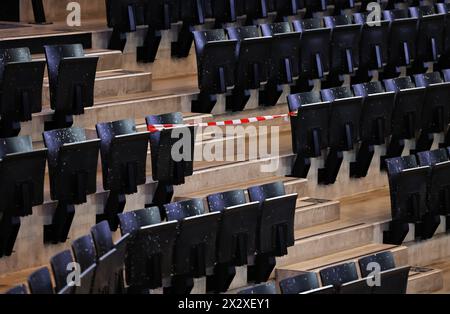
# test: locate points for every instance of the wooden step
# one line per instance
(114, 83)
(108, 59)
(56, 10)
(425, 280)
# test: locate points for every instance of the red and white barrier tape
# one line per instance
(160, 127)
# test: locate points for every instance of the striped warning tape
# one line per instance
(160, 127)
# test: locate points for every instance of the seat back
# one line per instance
(40, 282)
(298, 284)
(266, 288)
(339, 274)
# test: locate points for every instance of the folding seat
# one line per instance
(73, 175)
(166, 169)
(284, 8)
(322, 290)
(313, 6)
(285, 54)
(195, 246)
(344, 49)
(266, 288)
(376, 118)
(85, 255)
(438, 183)
(257, 9)
(344, 129)
(40, 282)
(158, 15)
(373, 45)
(22, 172)
(20, 289)
(339, 274)
(62, 266)
(71, 78)
(385, 261)
(21, 82)
(102, 237)
(275, 227)
(192, 13)
(124, 160)
(309, 129)
(253, 64)
(408, 187)
(216, 65)
(430, 40)
(402, 41)
(393, 281)
(150, 249)
(227, 11)
(444, 63)
(110, 259)
(298, 284)
(407, 113)
(236, 239)
(436, 109)
(359, 286)
(123, 16)
(314, 50)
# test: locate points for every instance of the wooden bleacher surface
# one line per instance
(334, 224)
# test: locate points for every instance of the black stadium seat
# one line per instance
(216, 67)
(266, 288)
(40, 282)
(285, 57)
(309, 129)
(71, 77)
(344, 129)
(195, 246)
(436, 113)
(22, 170)
(376, 118)
(253, 63)
(344, 48)
(85, 255)
(165, 168)
(21, 81)
(300, 283)
(124, 160)
(338, 275)
(393, 281)
(236, 238)
(73, 175)
(438, 182)
(62, 269)
(276, 227)
(385, 261)
(402, 27)
(314, 49)
(408, 186)
(407, 113)
(150, 249)
(322, 290)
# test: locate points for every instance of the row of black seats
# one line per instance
(95, 265)
(379, 275)
(368, 114)
(237, 59)
(420, 187)
(192, 243)
(126, 15)
(195, 243)
(72, 160)
(71, 77)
